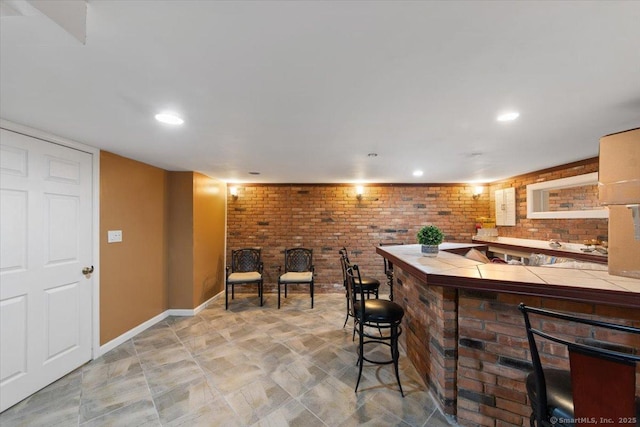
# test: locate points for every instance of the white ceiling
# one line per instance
(302, 91)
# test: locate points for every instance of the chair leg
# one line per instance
(279, 295)
(226, 296)
(261, 292)
(360, 354)
(312, 294)
(395, 354)
(346, 319)
(233, 291)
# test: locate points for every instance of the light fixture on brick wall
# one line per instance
(234, 192)
(477, 192)
(359, 191)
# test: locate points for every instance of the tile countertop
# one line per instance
(568, 250)
(451, 270)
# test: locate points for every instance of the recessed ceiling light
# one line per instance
(254, 173)
(169, 118)
(507, 117)
(417, 173)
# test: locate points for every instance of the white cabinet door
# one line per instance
(506, 206)
(45, 242)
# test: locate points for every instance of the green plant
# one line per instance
(430, 235)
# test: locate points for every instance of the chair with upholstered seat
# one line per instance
(369, 314)
(246, 269)
(370, 286)
(298, 269)
(600, 383)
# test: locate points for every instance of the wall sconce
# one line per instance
(359, 192)
(477, 192)
(234, 192)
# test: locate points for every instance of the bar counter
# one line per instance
(567, 250)
(464, 334)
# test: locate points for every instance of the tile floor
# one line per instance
(249, 366)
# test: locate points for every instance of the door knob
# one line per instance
(87, 270)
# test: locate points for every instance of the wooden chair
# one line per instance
(600, 384)
(246, 269)
(298, 269)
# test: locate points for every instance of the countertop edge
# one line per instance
(571, 293)
(600, 259)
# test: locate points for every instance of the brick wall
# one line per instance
(327, 217)
(584, 197)
(565, 230)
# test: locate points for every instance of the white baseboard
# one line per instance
(149, 323)
(194, 311)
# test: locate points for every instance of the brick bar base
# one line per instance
(430, 328)
(471, 347)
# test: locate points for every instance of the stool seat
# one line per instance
(369, 284)
(559, 396)
(379, 310)
(370, 318)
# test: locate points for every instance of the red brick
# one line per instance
(473, 419)
(507, 393)
(501, 414)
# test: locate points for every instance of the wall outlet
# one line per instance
(114, 236)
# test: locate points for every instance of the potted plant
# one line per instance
(430, 237)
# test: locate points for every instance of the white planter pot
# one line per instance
(429, 250)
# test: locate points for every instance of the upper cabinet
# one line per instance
(573, 197)
(506, 207)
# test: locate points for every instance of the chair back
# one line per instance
(602, 376)
(246, 260)
(355, 292)
(344, 263)
(298, 260)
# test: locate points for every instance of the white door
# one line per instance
(45, 242)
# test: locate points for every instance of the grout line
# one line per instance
(144, 375)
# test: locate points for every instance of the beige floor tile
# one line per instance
(246, 366)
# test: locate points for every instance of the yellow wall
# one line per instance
(209, 237)
(133, 274)
(196, 238)
(180, 239)
(172, 253)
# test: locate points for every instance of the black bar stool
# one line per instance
(383, 315)
(601, 382)
(369, 285)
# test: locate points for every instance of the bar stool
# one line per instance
(383, 315)
(601, 382)
(370, 286)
